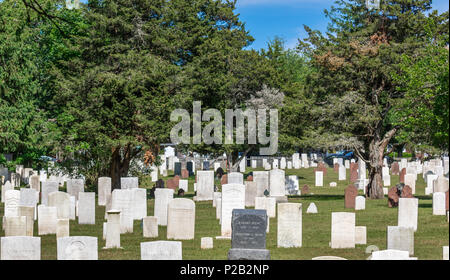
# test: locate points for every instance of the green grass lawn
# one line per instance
(432, 233)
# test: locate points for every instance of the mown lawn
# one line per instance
(432, 233)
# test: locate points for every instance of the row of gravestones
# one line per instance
(248, 240)
(194, 215)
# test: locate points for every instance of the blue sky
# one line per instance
(285, 18)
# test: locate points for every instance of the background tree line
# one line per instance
(96, 86)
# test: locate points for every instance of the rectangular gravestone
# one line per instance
(47, 188)
(205, 186)
(127, 183)
(15, 226)
(12, 200)
(250, 193)
(47, 217)
(154, 173)
(29, 213)
(342, 173)
(77, 248)
(261, 178)
(408, 209)
(75, 186)
(319, 179)
(268, 204)
(122, 200)
(161, 250)
(20, 248)
(235, 178)
(190, 168)
(162, 199)
(62, 228)
(390, 255)
(439, 204)
(150, 227)
(248, 241)
(139, 204)
(86, 212)
(177, 169)
(342, 230)
(400, 238)
(35, 183)
(104, 190)
(277, 182)
(61, 201)
(73, 202)
(233, 197)
(289, 230)
(183, 185)
(181, 219)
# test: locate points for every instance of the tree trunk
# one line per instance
(375, 187)
(119, 167)
(376, 155)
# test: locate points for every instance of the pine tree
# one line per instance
(353, 86)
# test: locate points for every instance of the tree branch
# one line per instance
(242, 157)
(358, 152)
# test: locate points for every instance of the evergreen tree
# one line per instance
(353, 86)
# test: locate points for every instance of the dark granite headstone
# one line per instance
(248, 229)
(248, 237)
(190, 168)
(177, 168)
(206, 165)
(4, 172)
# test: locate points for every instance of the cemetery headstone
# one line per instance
(289, 230)
(248, 240)
(181, 219)
(77, 248)
(161, 250)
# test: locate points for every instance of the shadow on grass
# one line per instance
(425, 206)
(319, 197)
(423, 197)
